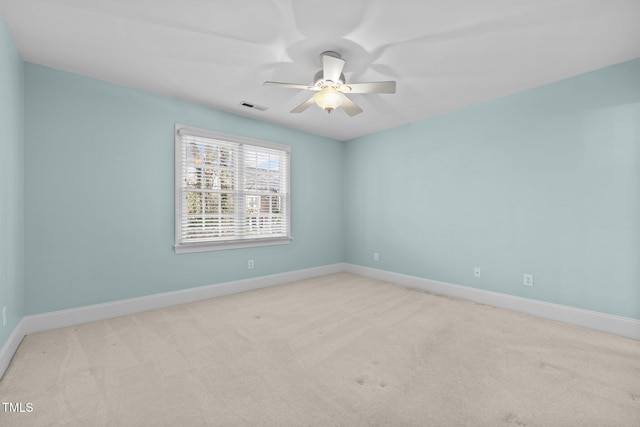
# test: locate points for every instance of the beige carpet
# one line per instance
(339, 350)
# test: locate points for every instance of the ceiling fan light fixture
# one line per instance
(328, 98)
(329, 83)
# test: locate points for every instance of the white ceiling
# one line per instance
(444, 54)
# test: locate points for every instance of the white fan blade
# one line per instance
(306, 104)
(291, 85)
(332, 68)
(350, 107)
(373, 87)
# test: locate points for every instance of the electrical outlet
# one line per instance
(250, 264)
(376, 256)
(528, 279)
(476, 272)
(4, 316)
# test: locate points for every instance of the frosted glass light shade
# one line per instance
(328, 98)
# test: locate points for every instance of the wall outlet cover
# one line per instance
(527, 279)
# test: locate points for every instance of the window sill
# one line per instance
(237, 244)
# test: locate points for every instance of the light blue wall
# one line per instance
(11, 184)
(99, 195)
(544, 182)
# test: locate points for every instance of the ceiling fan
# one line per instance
(331, 87)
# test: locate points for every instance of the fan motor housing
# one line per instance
(318, 80)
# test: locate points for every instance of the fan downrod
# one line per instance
(330, 53)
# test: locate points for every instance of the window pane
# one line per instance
(194, 202)
(227, 204)
(212, 203)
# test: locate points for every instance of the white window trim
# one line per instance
(224, 245)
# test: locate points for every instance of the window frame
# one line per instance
(243, 242)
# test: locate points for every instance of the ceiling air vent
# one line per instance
(254, 106)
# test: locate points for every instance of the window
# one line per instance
(231, 192)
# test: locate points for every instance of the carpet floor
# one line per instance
(337, 350)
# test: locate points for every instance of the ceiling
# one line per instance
(444, 54)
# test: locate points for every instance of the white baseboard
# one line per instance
(90, 313)
(75, 316)
(11, 346)
(624, 326)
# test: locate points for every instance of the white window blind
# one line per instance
(230, 191)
